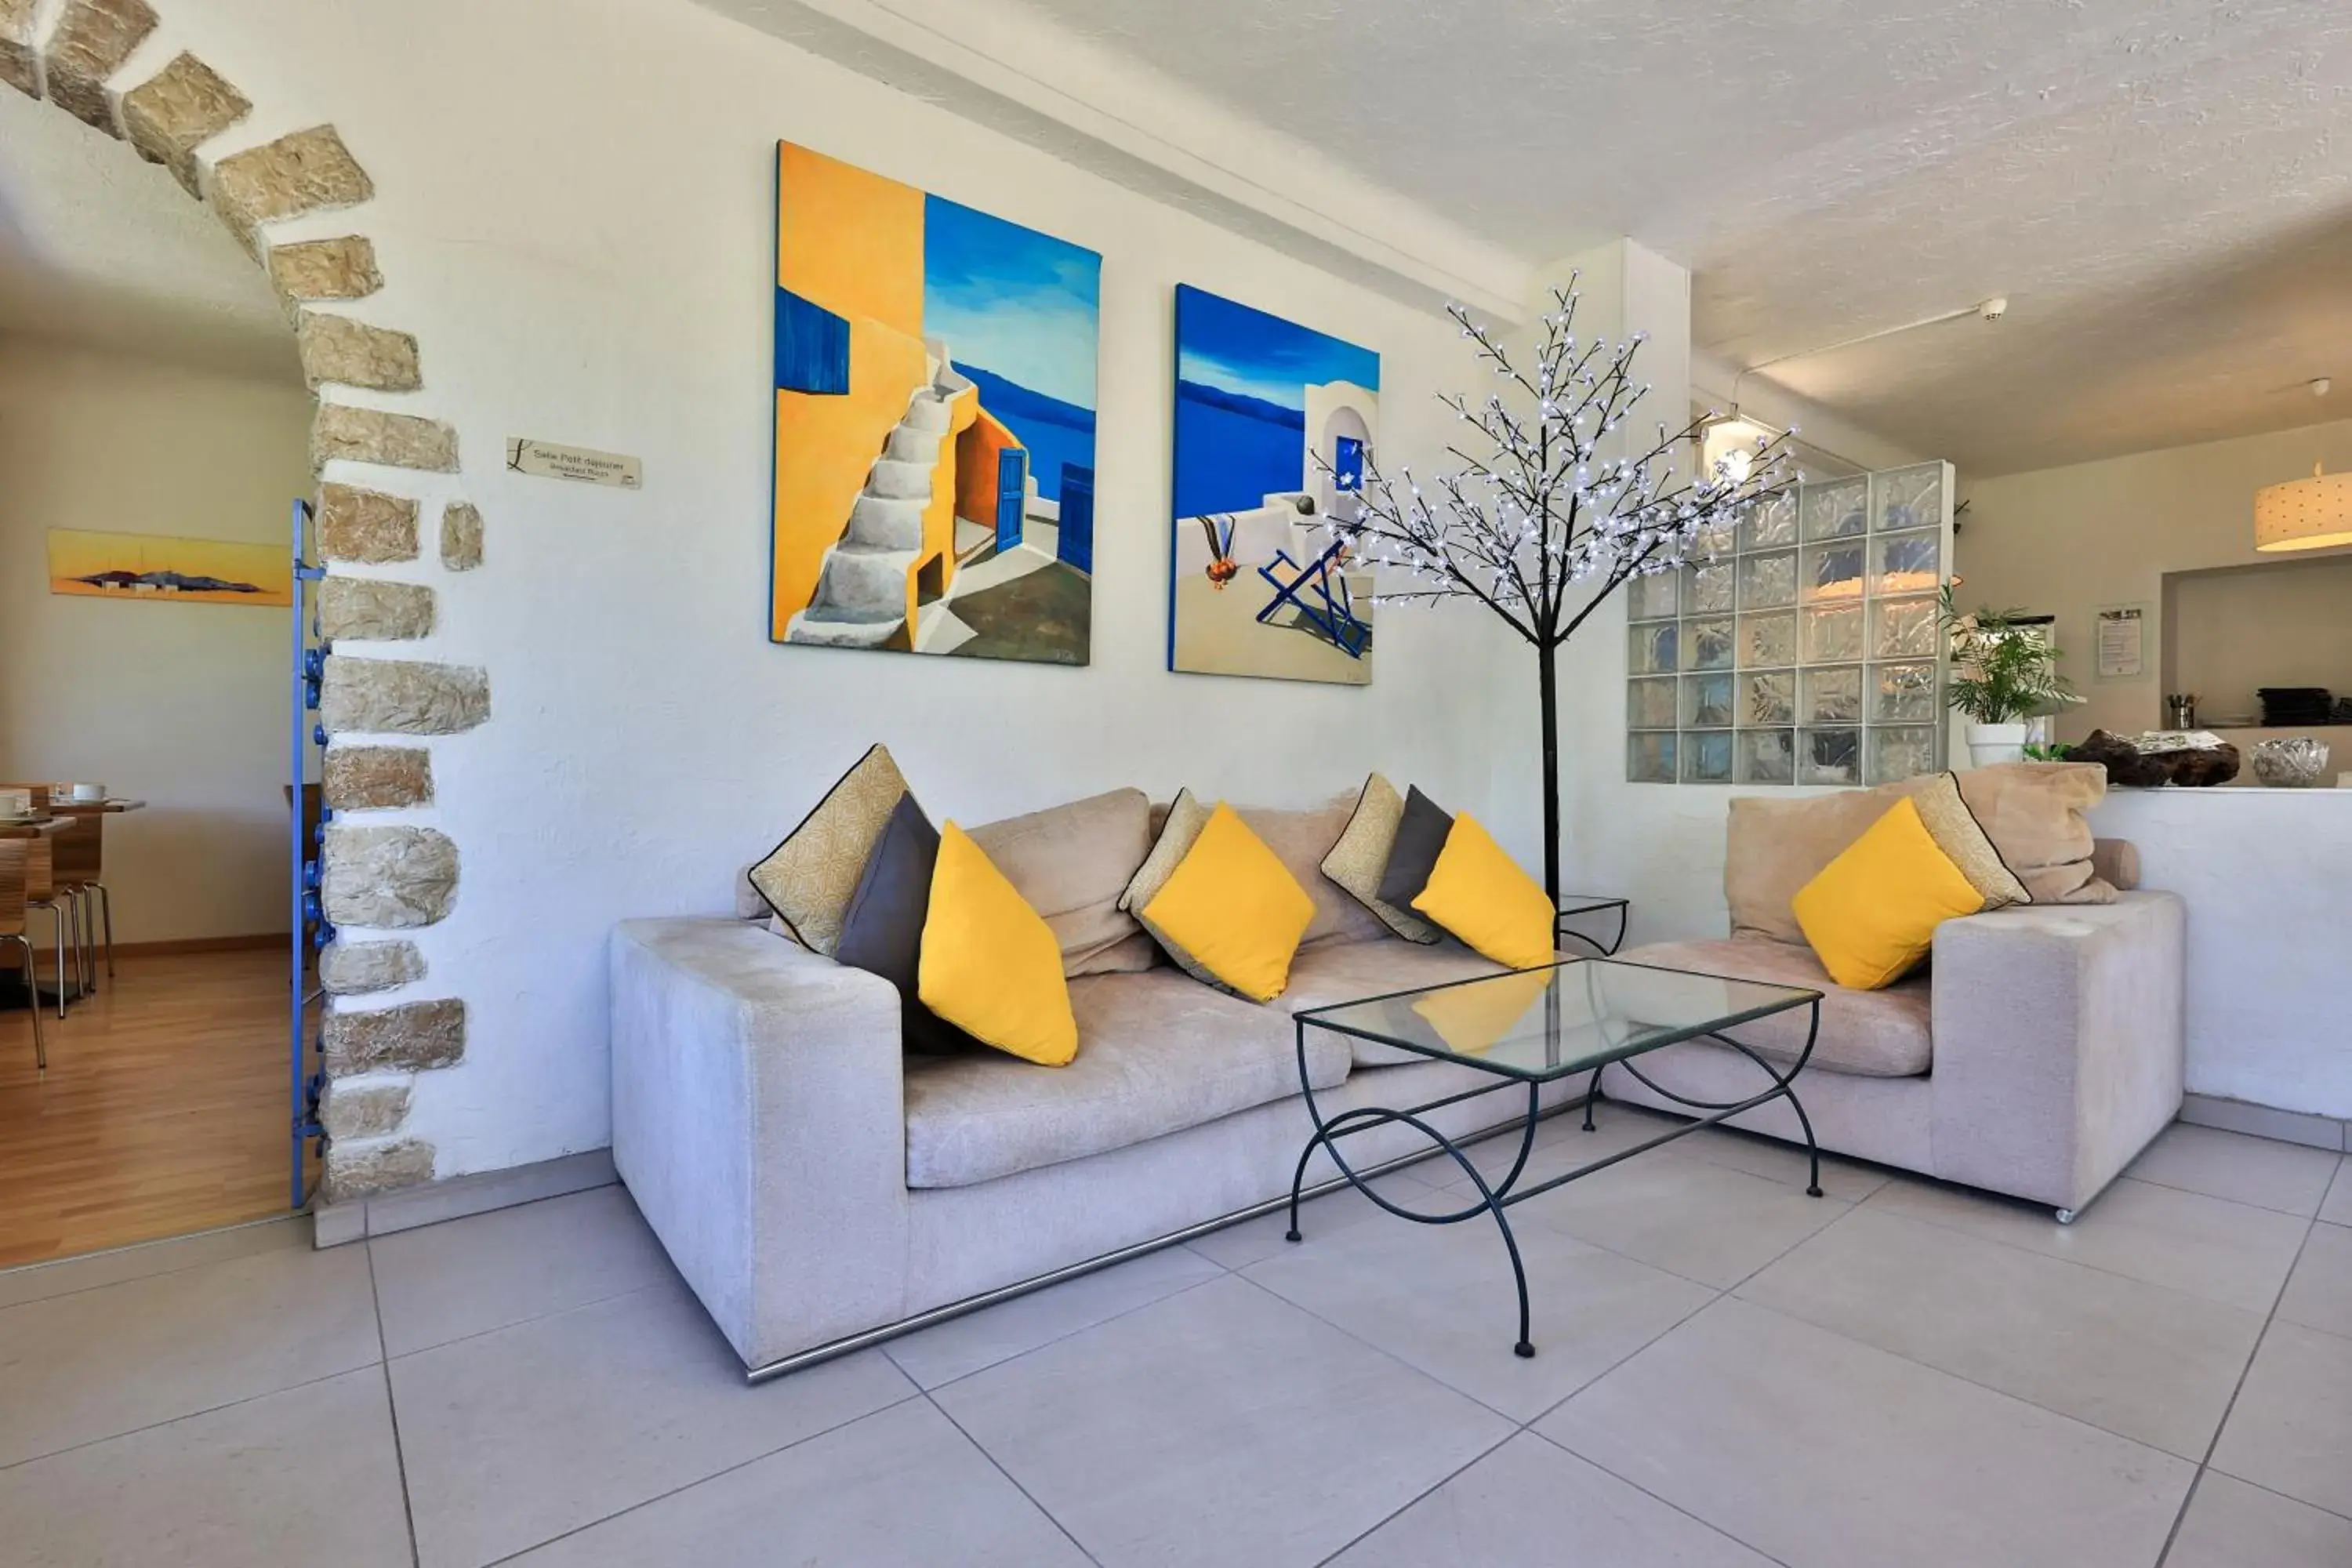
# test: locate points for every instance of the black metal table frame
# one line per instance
(1498, 1197)
(1562, 930)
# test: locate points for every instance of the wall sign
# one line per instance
(550, 461)
(2121, 634)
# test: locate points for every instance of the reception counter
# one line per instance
(2267, 874)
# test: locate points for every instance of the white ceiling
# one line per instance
(2162, 188)
(101, 249)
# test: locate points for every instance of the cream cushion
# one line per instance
(1156, 1053)
(1300, 840)
(1070, 863)
(1871, 1034)
(1350, 971)
(2033, 812)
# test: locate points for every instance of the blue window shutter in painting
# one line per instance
(1077, 546)
(811, 347)
(1012, 495)
(1347, 463)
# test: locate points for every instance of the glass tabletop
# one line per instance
(1543, 1024)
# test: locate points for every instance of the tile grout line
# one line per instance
(1414, 1501)
(1010, 1479)
(185, 1416)
(1046, 1344)
(392, 1405)
(36, 1266)
(523, 1322)
(2180, 1514)
(912, 1395)
(1706, 1524)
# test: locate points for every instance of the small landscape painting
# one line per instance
(1274, 427)
(935, 424)
(155, 568)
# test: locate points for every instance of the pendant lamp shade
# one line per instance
(2305, 514)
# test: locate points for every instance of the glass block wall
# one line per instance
(1802, 646)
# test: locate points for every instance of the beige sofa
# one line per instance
(818, 1188)
(2036, 1055)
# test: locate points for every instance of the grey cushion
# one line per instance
(1876, 1034)
(1071, 863)
(1349, 972)
(882, 932)
(1420, 839)
(1158, 1052)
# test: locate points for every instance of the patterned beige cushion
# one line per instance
(1182, 824)
(1356, 861)
(2033, 813)
(1956, 833)
(808, 879)
(1071, 864)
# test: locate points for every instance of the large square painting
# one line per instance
(935, 423)
(1275, 424)
(158, 569)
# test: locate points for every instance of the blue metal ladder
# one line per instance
(306, 737)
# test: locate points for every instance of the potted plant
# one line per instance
(2004, 673)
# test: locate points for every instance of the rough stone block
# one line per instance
(401, 697)
(183, 105)
(388, 879)
(365, 525)
(354, 968)
(92, 39)
(372, 435)
(353, 353)
(19, 65)
(461, 536)
(371, 609)
(343, 268)
(307, 171)
(363, 1108)
(374, 778)
(408, 1037)
(358, 1167)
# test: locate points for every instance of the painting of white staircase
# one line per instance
(861, 592)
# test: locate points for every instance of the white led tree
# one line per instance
(1559, 511)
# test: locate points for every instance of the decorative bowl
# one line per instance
(2291, 761)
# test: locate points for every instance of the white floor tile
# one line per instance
(516, 1436)
(1219, 1428)
(305, 1476)
(1529, 1504)
(2337, 1207)
(2319, 1292)
(2226, 1252)
(965, 1345)
(101, 1362)
(902, 1486)
(1824, 1453)
(2143, 1361)
(39, 1281)
(2291, 1429)
(2289, 1177)
(2233, 1525)
(1702, 1221)
(462, 1277)
(1441, 1298)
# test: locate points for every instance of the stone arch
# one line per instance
(380, 878)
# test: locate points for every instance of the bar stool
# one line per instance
(14, 855)
(80, 856)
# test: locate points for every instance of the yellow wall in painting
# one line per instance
(853, 243)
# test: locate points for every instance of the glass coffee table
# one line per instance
(1536, 1027)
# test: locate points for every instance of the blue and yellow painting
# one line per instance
(935, 423)
(1275, 426)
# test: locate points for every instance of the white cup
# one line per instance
(88, 793)
(16, 802)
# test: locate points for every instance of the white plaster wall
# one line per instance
(181, 705)
(575, 215)
(2267, 875)
(2066, 541)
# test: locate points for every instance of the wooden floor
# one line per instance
(163, 1110)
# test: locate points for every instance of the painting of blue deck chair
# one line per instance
(1319, 593)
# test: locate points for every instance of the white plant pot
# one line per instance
(1991, 743)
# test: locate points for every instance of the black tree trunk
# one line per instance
(1547, 699)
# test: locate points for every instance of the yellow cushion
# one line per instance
(1870, 914)
(1479, 894)
(989, 964)
(1231, 911)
